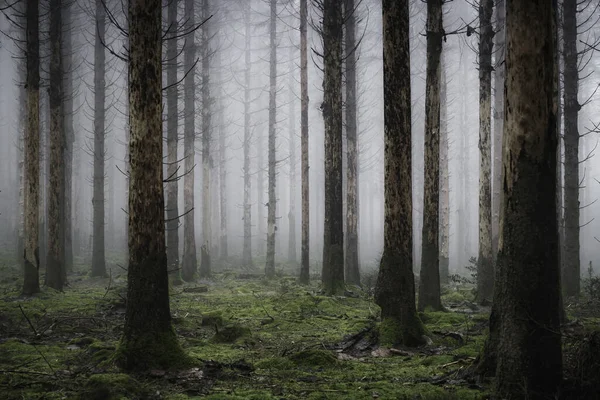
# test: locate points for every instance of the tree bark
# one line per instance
(98, 199)
(304, 255)
(333, 261)
(395, 288)
(56, 187)
(172, 185)
(68, 111)
(571, 271)
(429, 286)
(31, 259)
(189, 265)
(499, 72)
(148, 340)
(292, 258)
(527, 292)
(485, 267)
(247, 249)
(444, 178)
(352, 269)
(222, 165)
(272, 204)
(205, 262)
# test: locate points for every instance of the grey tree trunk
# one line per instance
(148, 340)
(56, 186)
(333, 260)
(352, 269)
(222, 165)
(189, 264)
(395, 288)
(571, 270)
(527, 294)
(172, 185)
(292, 145)
(98, 199)
(444, 178)
(304, 255)
(247, 249)
(31, 254)
(272, 204)
(429, 286)
(205, 261)
(499, 72)
(68, 111)
(485, 266)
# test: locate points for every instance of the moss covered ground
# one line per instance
(249, 338)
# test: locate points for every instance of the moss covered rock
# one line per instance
(230, 334)
(314, 358)
(112, 387)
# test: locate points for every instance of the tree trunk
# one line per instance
(429, 286)
(205, 262)
(189, 265)
(149, 340)
(352, 267)
(499, 71)
(395, 288)
(31, 259)
(527, 291)
(304, 256)
(68, 111)
(485, 267)
(272, 204)
(222, 165)
(292, 258)
(333, 263)
(172, 185)
(247, 249)
(56, 187)
(98, 252)
(444, 177)
(571, 271)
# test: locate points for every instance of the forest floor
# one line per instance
(252, 338)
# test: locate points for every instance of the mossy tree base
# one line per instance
(394, 332)
(143, 352)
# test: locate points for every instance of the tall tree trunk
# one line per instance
(98, 199)
(429, 286)
(485, 267)
(148, 340)
(352, 269)
(571, 270)
(205, 262)
(69, 132)
(527, 290)
(444, 177)
(247, 249)
(333, 262)
(499, 71)
(56, 187)
(222, 165)
(172, 185)
(272, 204)
(292, 121)
(395, 288)
(304, 255)
(189, 265)
(22, 126)
(31, 259)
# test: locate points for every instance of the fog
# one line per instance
(227, 87)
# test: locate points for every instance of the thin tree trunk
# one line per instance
(485, 267)
(352, 269)
(172, 185)
(528, 286)
(429, 286)
(292, 139)
(395, 288)
(499, 72)
(222, 165)
(205, 262)
(31, 259)
(148, 340)
(272, 204)
(571, 271)
(98, 199)
(56, 187)
(247, 249)
(444, 177)
(69, 133)
(189, 265)
(333, 261)
(304, 261)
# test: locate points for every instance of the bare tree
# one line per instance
(304, 262)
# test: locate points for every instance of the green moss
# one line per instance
(275, 363)
(314, 358)
(112, 386)
(212, 319)
(230, 334)
(392, 332)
